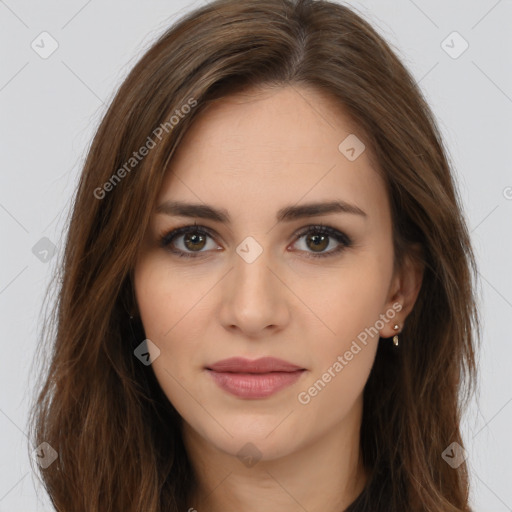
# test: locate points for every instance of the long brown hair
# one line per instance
(117, 436)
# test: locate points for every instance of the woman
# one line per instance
(267, 297)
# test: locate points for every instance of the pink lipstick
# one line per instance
(254, 379)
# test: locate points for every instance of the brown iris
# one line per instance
(194, 239)
(319, 241)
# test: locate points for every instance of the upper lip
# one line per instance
(262, 365)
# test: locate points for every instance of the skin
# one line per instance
(253, 154)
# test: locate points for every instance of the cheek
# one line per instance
(348, 300)
(170, 309)
(344, 356)
(349, 304)
(151, 291)
(163, 296)
(164, 300)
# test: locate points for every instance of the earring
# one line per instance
(395, 337)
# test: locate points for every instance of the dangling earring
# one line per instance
(395, 337)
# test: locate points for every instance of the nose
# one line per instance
(254, 298)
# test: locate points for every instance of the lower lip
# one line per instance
(254, 385)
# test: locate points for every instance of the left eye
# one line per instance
(319, 238)
(194, 240)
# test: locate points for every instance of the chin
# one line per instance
(257, 438)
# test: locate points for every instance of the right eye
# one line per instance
(191, 239)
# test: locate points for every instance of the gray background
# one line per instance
(51, 107)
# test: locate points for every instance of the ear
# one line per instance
(404, 289)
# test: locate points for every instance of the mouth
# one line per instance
(256, 379)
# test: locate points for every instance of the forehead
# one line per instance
(272, 145)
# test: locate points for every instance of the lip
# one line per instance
(254, 379)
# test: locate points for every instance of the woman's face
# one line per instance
(256, 280)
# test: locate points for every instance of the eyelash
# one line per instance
(319, 229)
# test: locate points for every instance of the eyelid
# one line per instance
(323, 228)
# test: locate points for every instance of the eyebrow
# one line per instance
(288, 213)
